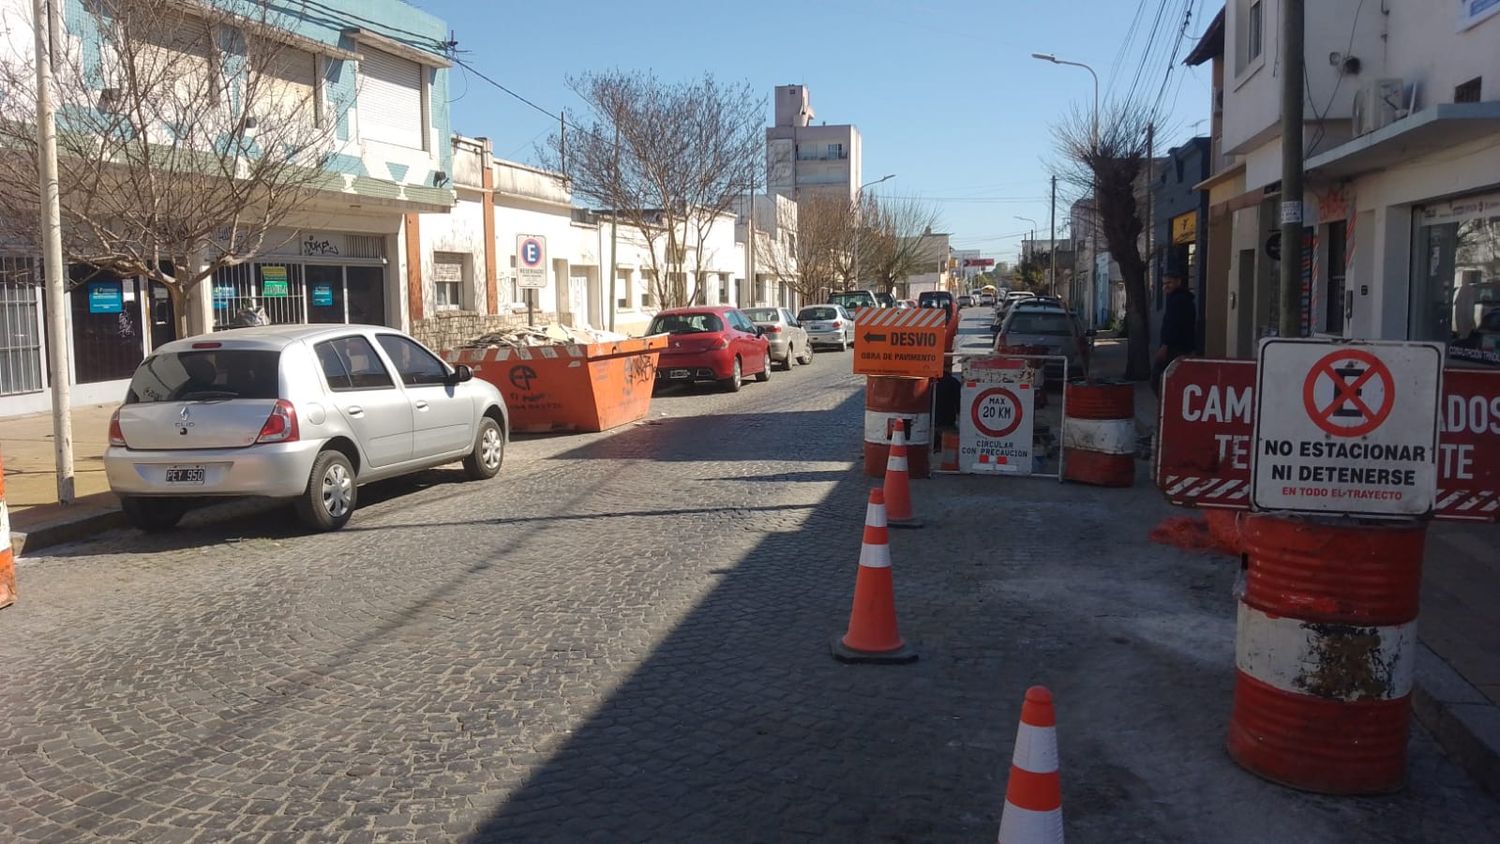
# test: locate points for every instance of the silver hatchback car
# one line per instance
(306, 412)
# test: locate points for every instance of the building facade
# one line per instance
(342, 258)
(1179, 216)
(804, 160)
(1402, 158)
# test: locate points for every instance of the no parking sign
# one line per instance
(1347, 428)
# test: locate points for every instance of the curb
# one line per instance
(48, 534)
(1465, 723)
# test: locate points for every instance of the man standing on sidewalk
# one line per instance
(1179, 326)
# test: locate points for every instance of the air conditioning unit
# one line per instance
(1379, 104)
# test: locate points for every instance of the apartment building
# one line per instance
(803, 159)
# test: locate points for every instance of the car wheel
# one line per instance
(484, 460)
(331, 493)
(791, 357)
(807, 355)
(152, 515)
(733, 382)
(764, 374)
(844, 345)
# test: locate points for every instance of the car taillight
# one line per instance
(772, 329)
(281, 425)
(116, 435)
(722, 344)
(838, 323)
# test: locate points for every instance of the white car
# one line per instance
(305, 412)
(827, 325)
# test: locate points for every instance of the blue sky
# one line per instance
(946, 94)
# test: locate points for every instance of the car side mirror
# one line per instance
(461, 373)
(760, 331)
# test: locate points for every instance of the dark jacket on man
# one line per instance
(1179, 323)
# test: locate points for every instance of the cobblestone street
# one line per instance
(624, 637)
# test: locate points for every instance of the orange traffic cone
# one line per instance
(1033, 797)
(872, 635)
(897, 487)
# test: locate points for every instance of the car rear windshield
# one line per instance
(1028, 322)
(818, 313)
(685, 324)
(763, 314)
(852, 300)
(206, 375)
(929, 300)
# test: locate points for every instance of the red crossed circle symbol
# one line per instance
(979, 403)
(1348, 400)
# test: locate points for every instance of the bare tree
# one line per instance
(667, 159)
(896, 240)
(1111, 165)
(186, 133)
(819, 259)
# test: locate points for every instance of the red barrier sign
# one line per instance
(1207, 421)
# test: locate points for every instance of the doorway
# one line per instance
(366, 295)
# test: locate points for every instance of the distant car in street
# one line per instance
(789, 340)
(1053, 330)
(905, 304)
(711, 343)
(853, 300)
(885, 300)
(987, 300)
(304, 412)
(828, 325)
(966, 301)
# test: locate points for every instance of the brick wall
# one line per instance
(449, 329)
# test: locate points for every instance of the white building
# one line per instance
(1402, 141)
(774, 272)
(804, 160)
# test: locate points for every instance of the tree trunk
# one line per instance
(180, 310)
(1138, 324)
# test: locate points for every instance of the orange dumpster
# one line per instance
(570, 387)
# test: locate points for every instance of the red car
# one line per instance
(711, 344)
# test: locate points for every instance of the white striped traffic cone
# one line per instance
(1033, 796)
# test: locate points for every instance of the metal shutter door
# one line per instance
(390, 99)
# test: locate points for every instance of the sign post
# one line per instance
(1347, 429)
(531, 269)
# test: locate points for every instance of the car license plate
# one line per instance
(185, 475)
(680, 373)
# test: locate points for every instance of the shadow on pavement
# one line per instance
(685, 439)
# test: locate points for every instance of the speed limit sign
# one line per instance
(995, 427)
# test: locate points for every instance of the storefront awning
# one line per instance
(1430, 130)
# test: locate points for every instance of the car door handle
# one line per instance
(421, 404)
(355, 410)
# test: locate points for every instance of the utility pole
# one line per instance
(1150, 211)
(1052, 271)
(1293, 72)
(44, 13)
(614, 234)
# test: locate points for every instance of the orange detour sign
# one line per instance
(892, 342)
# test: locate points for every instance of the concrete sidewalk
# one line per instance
(1457, 695)
(37, 519)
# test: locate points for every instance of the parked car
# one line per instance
(966, 301)
(711, 343)
(828, 325)
(305, 412)
(852, 300)
(987, 300)
(789, 341)
(905, 304)
(885, 300)
(1054, 330)
(935, 299)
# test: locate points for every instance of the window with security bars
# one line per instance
(249, 293)
(20, 326)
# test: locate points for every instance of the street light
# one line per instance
(1093, 188)
(858, 210)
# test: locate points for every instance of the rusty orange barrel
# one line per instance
(892, 401)
(1324, 652)
(1099, 433)
(7, 559)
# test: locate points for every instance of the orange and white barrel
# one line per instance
(1324, 652)
(893, 404)
(1099, 433)
(7, 559)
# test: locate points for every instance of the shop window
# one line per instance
(259, 294)
(448, 281)
(1455, 295)
(20, 332)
